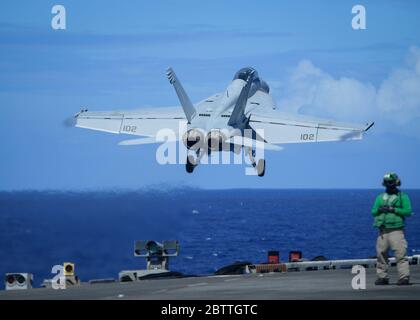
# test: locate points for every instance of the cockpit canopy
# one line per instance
(257, 83)
(244, 73)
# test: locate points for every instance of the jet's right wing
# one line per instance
(279, 128)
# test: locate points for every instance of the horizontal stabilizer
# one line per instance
(132, 142)
(251, 143)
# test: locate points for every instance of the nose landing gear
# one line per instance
(190, 165)
(193, 161)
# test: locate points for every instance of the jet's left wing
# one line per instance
(142, 122)
(279, 128)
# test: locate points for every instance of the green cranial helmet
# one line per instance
(391, 179)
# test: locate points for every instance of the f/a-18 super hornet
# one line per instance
(219, 122)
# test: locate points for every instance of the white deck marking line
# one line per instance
(197, 284)
(228, 280)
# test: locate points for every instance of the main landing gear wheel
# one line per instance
(261, 167)
(189, 166)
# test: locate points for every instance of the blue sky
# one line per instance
(113, 55)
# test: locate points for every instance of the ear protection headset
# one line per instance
(391, 177)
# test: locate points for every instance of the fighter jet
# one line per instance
(219, 122)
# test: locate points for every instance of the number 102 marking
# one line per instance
(307, 136)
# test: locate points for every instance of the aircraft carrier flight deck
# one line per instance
(322, 284)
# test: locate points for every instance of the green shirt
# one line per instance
(391, 220)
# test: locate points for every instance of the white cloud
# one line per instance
(309, 89)
(399, 95)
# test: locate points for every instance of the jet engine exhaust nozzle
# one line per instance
(193, 139)
(215, 140)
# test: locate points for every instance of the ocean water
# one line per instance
(97, 230)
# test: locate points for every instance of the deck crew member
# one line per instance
(390, 210)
